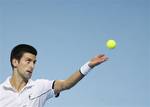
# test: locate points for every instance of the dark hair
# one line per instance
(18, 51)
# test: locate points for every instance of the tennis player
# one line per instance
(19, 90)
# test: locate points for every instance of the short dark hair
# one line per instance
(18, 51)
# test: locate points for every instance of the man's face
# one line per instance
(25, 65)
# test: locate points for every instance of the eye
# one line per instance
(34, 62)
(27, 61)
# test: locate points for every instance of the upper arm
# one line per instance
(68, 83)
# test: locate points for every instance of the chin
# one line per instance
(27, 77)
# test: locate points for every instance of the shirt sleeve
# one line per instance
(45, 89)
(56, 94)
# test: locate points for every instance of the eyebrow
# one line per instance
(28, 58)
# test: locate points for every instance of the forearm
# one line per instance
(72, 80)
(77, 76)
(61, 85)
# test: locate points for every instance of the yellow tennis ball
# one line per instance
(111, 44)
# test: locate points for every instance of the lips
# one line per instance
(29, 71)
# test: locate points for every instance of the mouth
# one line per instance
(29, 71)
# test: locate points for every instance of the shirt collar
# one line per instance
(8, 85)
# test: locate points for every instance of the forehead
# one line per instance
(29, 55)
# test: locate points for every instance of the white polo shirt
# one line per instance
(34, 94)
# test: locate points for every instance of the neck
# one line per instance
(17, 81)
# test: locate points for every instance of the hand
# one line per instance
(97, 60)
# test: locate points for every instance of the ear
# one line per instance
(15, 62)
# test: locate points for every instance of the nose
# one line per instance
(32, 64)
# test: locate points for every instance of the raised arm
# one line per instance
(61, 85)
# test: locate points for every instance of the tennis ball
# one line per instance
(111, 44)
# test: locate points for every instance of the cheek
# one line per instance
(22, 66)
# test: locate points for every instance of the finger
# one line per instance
(101, 55)
(104, 58)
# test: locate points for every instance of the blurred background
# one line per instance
(67, 33)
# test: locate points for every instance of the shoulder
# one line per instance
(42, 87)
(2, 86)
(4, 83)
(43, 83)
